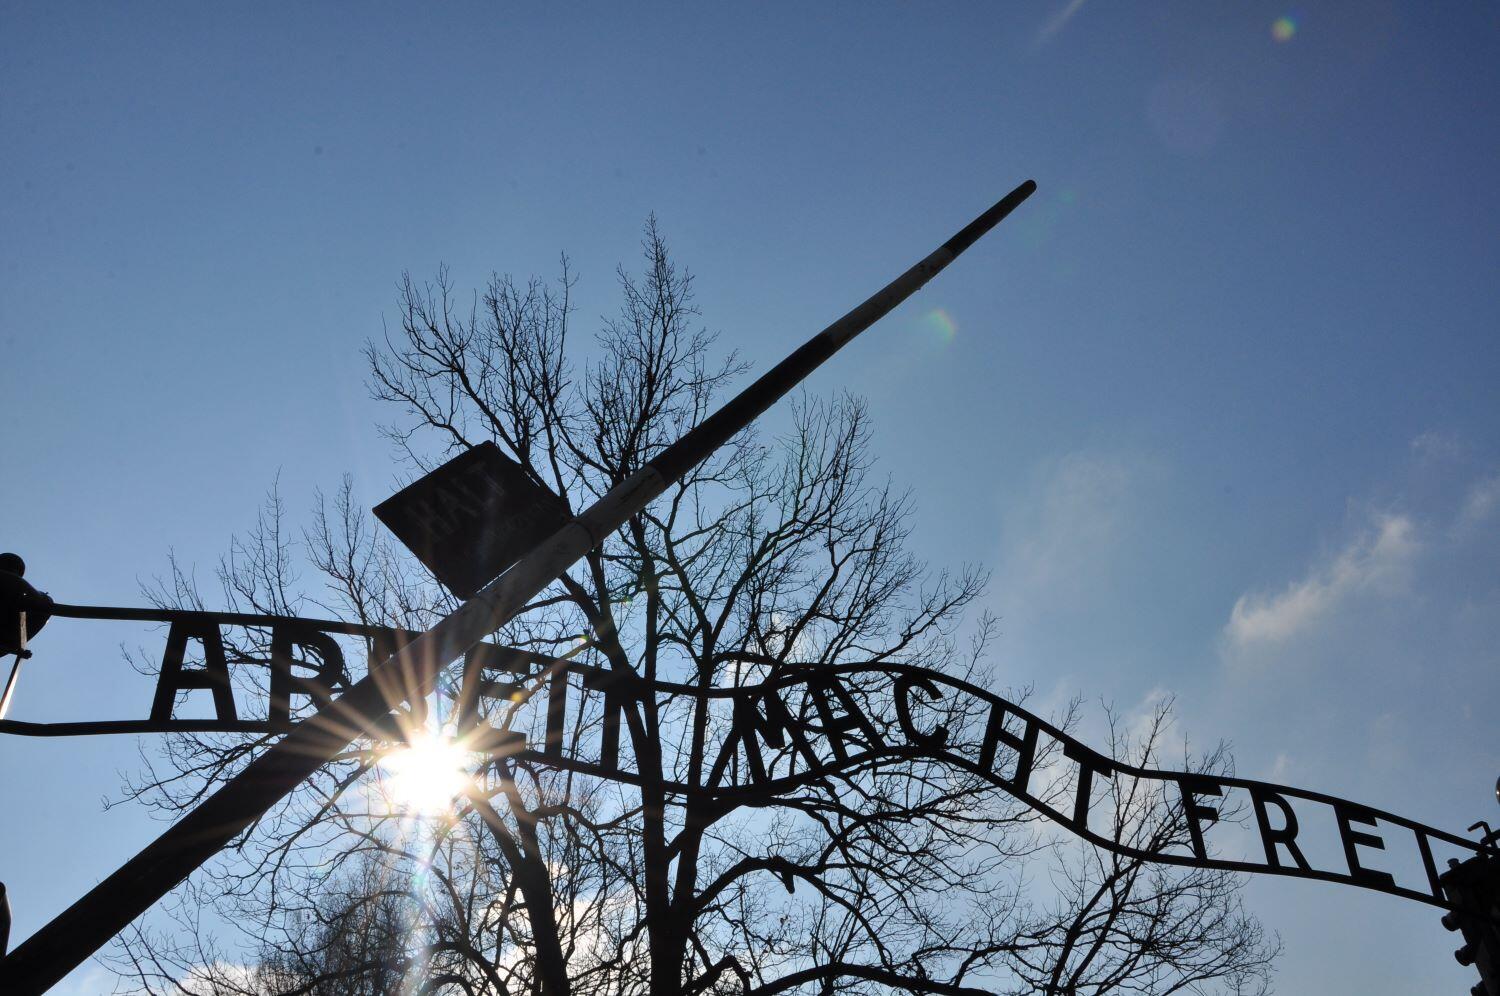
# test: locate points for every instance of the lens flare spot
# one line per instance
(1283, 28)
(941, 324)
(425, 775)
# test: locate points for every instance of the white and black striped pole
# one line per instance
(75, 934)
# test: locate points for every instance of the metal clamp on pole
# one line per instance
(15, 669)
(23, 611)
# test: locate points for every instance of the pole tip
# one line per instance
(972, 232)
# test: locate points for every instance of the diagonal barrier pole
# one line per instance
(76, 933)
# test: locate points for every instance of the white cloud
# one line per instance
(1378, 561)
(1437, 446)
(1171, 746)
(1481, 502)
(229, 974)
(89, 980)
(1074, 535)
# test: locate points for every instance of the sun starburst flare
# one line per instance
(424, 776)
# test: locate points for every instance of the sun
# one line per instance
(427, 774)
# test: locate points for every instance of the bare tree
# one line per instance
(1123, 924)
(888, 873)
(357, 941)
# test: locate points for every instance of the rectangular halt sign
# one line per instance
(472, 518)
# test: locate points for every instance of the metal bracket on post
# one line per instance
(23, 612)
(15, 669)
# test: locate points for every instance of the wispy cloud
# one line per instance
(1432, 445)
(1057, 22)
(1378, 560)
(1480, 504)
(1076, 516)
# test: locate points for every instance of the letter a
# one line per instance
(213, 675)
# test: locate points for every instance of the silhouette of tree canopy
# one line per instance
(783, 550)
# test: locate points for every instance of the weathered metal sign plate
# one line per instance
(472, 518)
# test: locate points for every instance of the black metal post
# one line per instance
(60, 946)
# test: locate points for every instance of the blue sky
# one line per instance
(1218, 406)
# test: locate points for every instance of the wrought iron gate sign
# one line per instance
(796, 725)
(793, 727)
